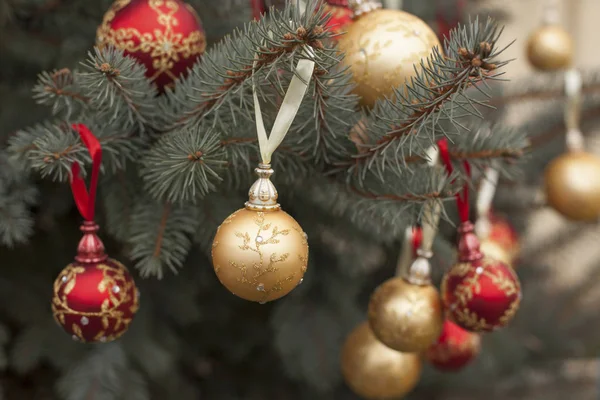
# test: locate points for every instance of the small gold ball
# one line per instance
(550, 48)
(493, 250)
(572, 183)
(260, 256)
(375, 371)
(382, 47)
(406, 317)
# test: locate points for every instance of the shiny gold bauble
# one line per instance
(493, 250)
(550, 48)
(572, 183)
(260, 256)
(406, 317)
(382, 47)
(375, 371)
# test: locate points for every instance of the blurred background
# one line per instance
(194, 341)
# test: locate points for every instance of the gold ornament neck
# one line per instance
(360, 7)
(263, 194)
(419, 272)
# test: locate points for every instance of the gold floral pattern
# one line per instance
(165, 45)
(465, 282)
(260, 256)
(121, 302)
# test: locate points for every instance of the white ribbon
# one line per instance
(573, 83)
(485, 197)
(406, 253)
(431, 215)
(289, 107)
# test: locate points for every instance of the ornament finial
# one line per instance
(90, 249)
(419, 272)
(263, 194)
(468, 243)
(361, 7)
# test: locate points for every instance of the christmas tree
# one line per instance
(175, 116)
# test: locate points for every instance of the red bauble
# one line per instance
(95, 297)
(340, 15)
(454, 349)
(503, 234)
(166, 36)
(479, 293)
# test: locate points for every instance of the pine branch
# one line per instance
(160, 236)
(438, 92)
(60, 90)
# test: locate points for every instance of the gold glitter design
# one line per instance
(109, 311)
(259, 270)
(469, 286)
(166, 47)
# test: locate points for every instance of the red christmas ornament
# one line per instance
(166, 36)
(454, 349)
(340, 15)
(95, 298)
(480, 294)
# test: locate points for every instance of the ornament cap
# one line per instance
(90, 249)
(468, 243)
(360, 7)
(263, 194)
(419, 272)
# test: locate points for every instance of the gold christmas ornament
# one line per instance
(260, 252)
(572, 185)
(493, 250)
(382, 46)
(375, 371)
(550, 48)
(404, 316)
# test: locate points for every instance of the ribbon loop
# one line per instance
(86, 202)
(289, 107)
(462, 201)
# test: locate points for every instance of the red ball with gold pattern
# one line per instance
(454, 349)
(95, 297)
(166, 36)
(480, 294)
(340, 15)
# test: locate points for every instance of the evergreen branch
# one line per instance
(160, 236)
(221, 83)
(183, 166)
(59, 90)
(118, 90)
(437, 92)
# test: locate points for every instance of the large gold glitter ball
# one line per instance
(404, 316)
(572, 183)
(382, 48)
(260, 255)
(373, 370)
(550, 48)
(493, 250)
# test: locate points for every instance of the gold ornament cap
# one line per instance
(263, 194)
(360, 7)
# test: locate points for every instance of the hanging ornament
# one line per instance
(549, 47)
(479, 293)
(260, 252)
(340, 16)
(454, 349)
(382, 47)
(95, 297)
(572, 181)
(166, 36)
(375, 371)
(498, 238)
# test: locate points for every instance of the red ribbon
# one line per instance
(417, 238)
(258, 9)
(462, 202)
(86, 202)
